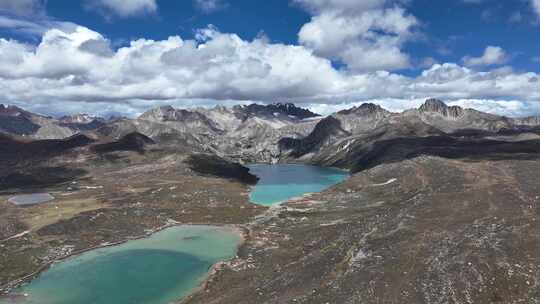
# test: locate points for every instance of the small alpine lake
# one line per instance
(281, 182)
(31, 199)
(159, 269)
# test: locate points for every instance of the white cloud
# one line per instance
(124, 8)
(428, 62)
(22, 26)
(74, 65)
(22, 7)
(210, 6)
(365, 35)
(536, 6)
(493, 55)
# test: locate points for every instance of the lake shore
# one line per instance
(6, 289)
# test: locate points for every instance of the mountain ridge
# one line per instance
(279, 132)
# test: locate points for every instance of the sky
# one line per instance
(123, 57)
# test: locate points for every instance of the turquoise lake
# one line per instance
(281, 182)
(156, 270)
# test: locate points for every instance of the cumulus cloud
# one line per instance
(74, 65)
(493, 55)
(210, 6)
(80, 65)
(124, 8)
(365, 35)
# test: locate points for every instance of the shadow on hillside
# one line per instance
(395, 150)
(36, 178)
(208, 164)
(13, 150)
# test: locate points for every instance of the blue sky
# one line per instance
(104, 56)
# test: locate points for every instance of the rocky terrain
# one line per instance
(424, 230)
(443, 205)
(107, 192)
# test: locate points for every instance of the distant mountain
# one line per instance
(248, 133)
(363, 118)
(14, 120)
(451, 119)
(279, 110)
(79, 119)
(433, 127)
(181, 120)
(326, 132)
(277, 132)
(82, 122)
(18, 122)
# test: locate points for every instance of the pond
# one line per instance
(281, 182)
(31, 199)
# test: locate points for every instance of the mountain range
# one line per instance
(283, 132)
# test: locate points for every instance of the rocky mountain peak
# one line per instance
(180, 119)
(276, 109)
(166, 113)
(80, 118)
(365, 109)
(433, 105)
(11, 110)
(221, 108)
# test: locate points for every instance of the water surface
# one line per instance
(31, 199)
(281, 182)
(157, 270)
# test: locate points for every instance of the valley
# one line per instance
(442, 205)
